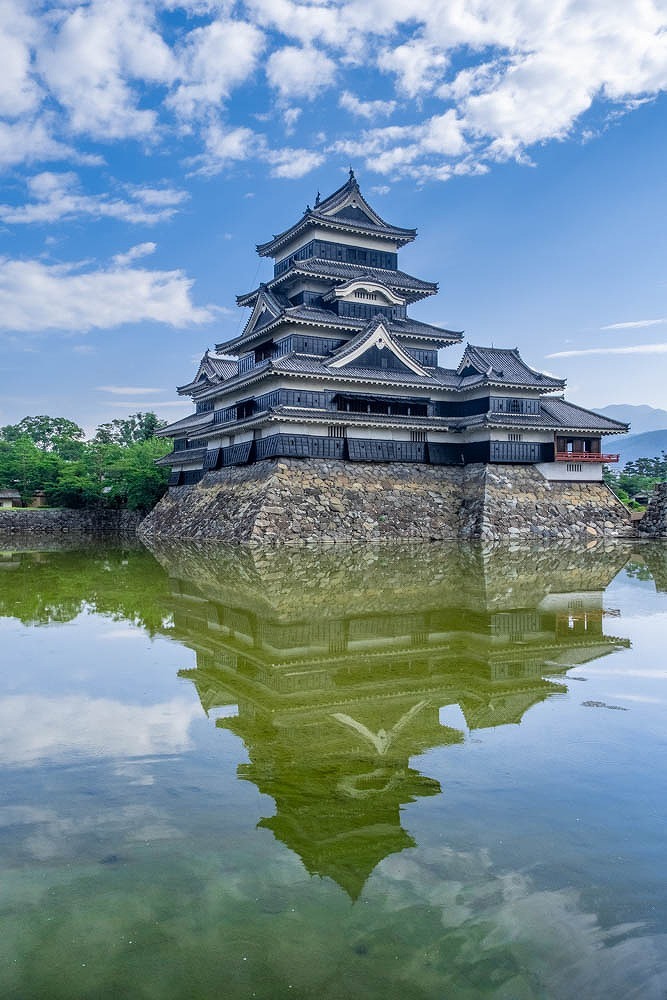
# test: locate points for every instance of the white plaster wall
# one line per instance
(558, 471)
(543, 437)
(242, 436)
(336, 236)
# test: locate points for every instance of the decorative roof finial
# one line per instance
(306, 210)
(352, 177)
(317, 199)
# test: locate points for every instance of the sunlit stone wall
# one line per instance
(302, 500)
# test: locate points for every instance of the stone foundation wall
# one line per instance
(298, 500)
(305, 500)
(654, 522)
(27, 523)
(517, 502)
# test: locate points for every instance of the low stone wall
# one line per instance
(299, 500)
(305, 500)
(28, 523)
(517, 502)
(654, 521)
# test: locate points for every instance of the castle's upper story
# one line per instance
(331, 364)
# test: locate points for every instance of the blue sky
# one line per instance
(147, 145)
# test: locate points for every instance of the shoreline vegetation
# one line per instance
(49, 465)
(48, 462)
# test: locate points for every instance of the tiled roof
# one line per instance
(212, 368)
(498, 365)
(182, 457)
(317, 267)
(555, 414)
(195, 421)
(570, 415)
(338, 212)
(408, 328)
(299, 365)
(343, 416)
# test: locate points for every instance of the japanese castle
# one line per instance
(331, 366)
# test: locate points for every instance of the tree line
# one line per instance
(637, 478)
(114, 468)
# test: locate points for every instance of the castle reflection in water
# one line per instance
(341, 661)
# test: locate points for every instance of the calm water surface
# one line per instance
(352, 772)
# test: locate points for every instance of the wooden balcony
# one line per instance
(585, 456)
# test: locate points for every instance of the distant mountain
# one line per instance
(633, 446)
(641, 418)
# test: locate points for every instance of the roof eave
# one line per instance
(395, 234)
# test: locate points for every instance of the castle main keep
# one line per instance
(332, 401)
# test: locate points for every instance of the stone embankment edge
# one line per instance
(27, 523)
(317, 500)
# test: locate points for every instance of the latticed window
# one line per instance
(417, 435)
(336, 431)
(514, 437)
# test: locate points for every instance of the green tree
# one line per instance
(77, 485)
(25, 467)
(53, 434)
(129, 430)
(132, 476)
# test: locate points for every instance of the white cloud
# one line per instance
(629, 349)
(91, 60)
(31, 141)
(307, 22)
(155, 404)
(418, 66)
(134, 253)
(293, 163)
(57, 196)
(213, 60)
(37, 297)
(291, 117)
(635, 324)
(300, 72)
(365, 109)
(20, 93)
(116, 69)
(37, 728)
(225, 147)
(126, 390)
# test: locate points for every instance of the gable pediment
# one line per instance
(266, 309)
(367, 348)
(352, 213)
(365, 289)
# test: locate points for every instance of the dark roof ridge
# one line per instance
(309, 268)
(561, 399)
(324, 213)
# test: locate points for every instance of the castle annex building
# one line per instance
(331, 365)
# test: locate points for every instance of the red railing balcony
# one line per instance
(585, 456)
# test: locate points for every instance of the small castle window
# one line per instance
(574, 466)
(514, 437)
(417, 435)
(337, 431)
(363, 293)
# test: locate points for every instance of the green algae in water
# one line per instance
(356, 771)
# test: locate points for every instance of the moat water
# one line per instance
(393, 772)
